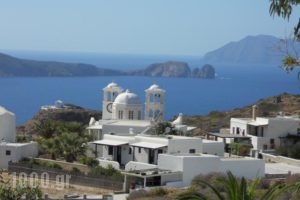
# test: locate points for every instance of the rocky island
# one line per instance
(176, 69)
(15, 67)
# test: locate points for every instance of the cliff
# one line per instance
(175, 69)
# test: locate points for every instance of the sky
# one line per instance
(165, 27)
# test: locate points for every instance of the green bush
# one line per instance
(101, 171)
(54, 165)
(75, 170)
(92, 162)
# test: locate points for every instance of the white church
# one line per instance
(125, 105)
(123, 140)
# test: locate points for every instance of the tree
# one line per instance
(233, 188)
(284, 8)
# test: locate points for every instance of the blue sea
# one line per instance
(234, 86)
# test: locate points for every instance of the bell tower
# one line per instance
(110, 92)
(154, 105)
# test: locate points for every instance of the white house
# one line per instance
(265, 133)
(146, 148)
(191, 165)
(9, 150)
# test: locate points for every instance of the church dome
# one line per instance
(155, 88)
(112, 85)
(127, 98)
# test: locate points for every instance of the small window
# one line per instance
(129, 150)
(130, 114)
(298, 131)
(8, 152)
(140, 149)
(159, 151)
(192, 151)
(110, 150)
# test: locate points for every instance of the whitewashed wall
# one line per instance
(213, 147)
(7, 126)
(180, 145)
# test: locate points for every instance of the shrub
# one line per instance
(54, 165)
(92, 162)
(75, 170)
(159, 191)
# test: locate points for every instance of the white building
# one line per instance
(125, 140)
(9, 150)
(265, 133)
(7, 125)
(191, 165)
(126, 105)
(145, 148)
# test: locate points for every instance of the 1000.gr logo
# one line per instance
(33, 180)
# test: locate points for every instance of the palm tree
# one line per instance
(238, 189)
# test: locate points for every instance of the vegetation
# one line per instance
(167, 128)
(9, 192)
(292, 151)
(227, 187)
(239, 149)
(284, 8)
(66, 140)
(102, 171)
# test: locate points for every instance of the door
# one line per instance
(151, 156)
(119, 153)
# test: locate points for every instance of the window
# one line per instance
(130, 114)
(192, 151)
(159, 151)
(8, 152)
(233, 130)
(129, 150)
(298, 131)
(120, 114)
(238, 131)
(110, 150)
(139, 115)
(140, 149)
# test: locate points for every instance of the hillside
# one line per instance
(15, 67)
(261, 49)
(69, 114)
(286, 104)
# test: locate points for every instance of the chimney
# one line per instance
(254, 109)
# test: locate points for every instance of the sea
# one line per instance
(235, 85)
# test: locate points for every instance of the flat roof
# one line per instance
(110, 142)
(258, 123)
(281, 168)
(142, 123)
(224, 135)
(144, 173)
(148, 145)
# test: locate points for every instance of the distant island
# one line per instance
(252, 50)
(16, 67)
